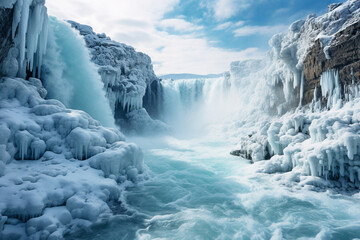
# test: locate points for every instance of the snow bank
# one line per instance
(45, 191)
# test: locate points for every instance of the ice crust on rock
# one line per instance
(318, 141)
(288, 51)
(125, 72)
(127, 76)
(45, 191)
(319, 144)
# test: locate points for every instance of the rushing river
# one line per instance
(196, 190)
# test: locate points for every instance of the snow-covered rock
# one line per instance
(127, 75)
(319, 139)
(285, 68)
(45, 190)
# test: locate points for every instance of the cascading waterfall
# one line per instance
(71, 77)
(195, 104)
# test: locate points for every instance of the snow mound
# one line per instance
(45, 191)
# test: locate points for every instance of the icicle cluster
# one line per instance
(285, 68)
(29, 33)
(330, 87)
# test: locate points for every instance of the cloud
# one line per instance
(227, 25)
(180, 25)
(223, 26)
(137, 22)
(224, 9)
(259, 30)
(196, 55)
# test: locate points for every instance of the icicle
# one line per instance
(16, 17)
(20, 38)
(301, 89)
(330, 159)
(23, 140)
(330, 86)
(313, 161)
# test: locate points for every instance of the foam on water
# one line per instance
(197, 191)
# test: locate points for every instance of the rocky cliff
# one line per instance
(307, 101)
(344, 55)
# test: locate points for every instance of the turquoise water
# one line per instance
(196, 190)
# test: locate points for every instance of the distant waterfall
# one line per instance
(73, 78)
(192, 104)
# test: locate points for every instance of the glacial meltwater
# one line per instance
(196, 190)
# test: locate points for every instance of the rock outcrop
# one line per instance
(6, 16)
(344, 53)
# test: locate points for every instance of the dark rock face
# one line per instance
(345, 57)
(6, 16)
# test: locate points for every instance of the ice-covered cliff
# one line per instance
(59, 168)
(308, 99)
(129, 81)
(290, 64)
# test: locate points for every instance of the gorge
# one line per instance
(72, 101)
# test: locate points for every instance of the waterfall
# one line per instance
(71, 77)
(195, 104)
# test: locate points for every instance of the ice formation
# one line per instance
(29, 33)
(127, 75)
(59, 167)
(330, 87)
(320, 144)
(285, 66)
(51, 192)
(319, 139)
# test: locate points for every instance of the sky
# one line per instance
(190, 36)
